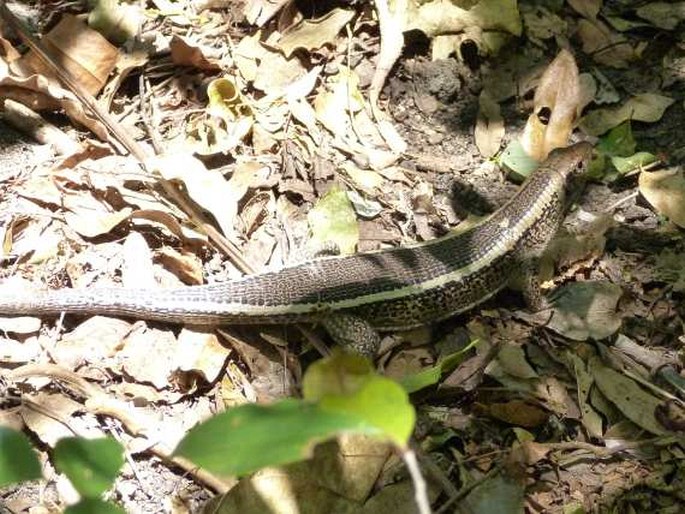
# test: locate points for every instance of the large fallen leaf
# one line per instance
(670, 267)
(208, 188)
(604, 45)
(626, 394)
(444, 17)
(19, 462)
(555, 107)
(648, 107)
(313, 34)
(80, 50)
(584, 310)
(665, 191)
(333, 219)
(342, 395)
(665, 15)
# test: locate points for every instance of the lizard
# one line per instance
(355, 297)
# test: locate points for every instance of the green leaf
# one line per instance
(341, 373)
(430, 376)
(91, 464)
(348, 384)
(618, 142)
(381, 403)
(517, 160)
(635, 161)
(18, 462)
(343, 394)
(91, 505)
(332, 219)
(247, 438)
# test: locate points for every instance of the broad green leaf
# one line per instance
(618, 142)
(347, 383)
(247, 438)
(332, 219)
(648, 107)
(93, 505)
(91, 465)
(18, 461)
(342, 373)
(517, 160)
(430, 376)
(633, 162)
(381, 403)
(343, 394)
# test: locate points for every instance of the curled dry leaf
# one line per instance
(556, 105)
(665, 191)
(313, 34)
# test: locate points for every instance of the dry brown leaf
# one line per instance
(555, 108)
(587, 8)
(206, 187)
(82, 51)
(519, 413)
(201, 352)
(16, 352)
(137, 270)
(18, 325)
(315, 33)
(59, 420)
(489, 126)
(94, 341)
(90, 217)
(134, 359)
(258, 12)
(187, 266)
(445, 17)
(604, 45)
(665, 191)
(187, 53)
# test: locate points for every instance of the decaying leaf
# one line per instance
(670, 266)
(187, 53)
(84, 53)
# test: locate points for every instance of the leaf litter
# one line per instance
(298, 116)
